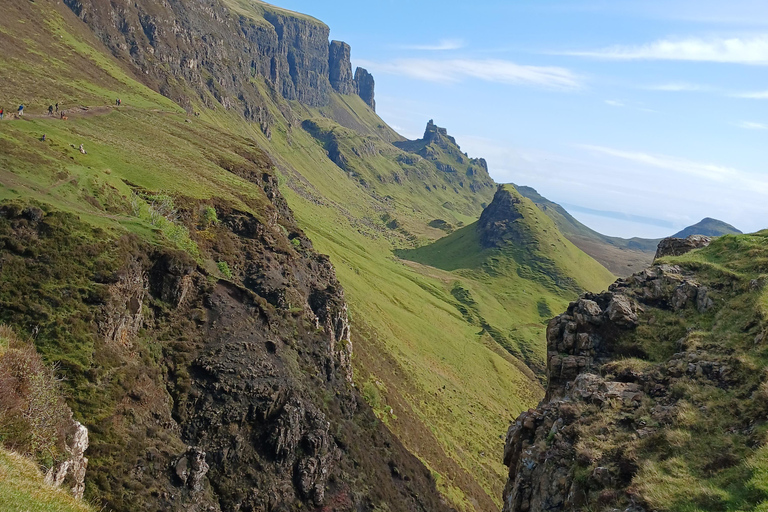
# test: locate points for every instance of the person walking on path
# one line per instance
(21, 110)
(50, 110)
(57, 108)
(2, 113)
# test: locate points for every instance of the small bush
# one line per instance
(371, 395)
(224, 269)
(209, 217)
(34, 418)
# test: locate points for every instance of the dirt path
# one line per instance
(78, 112)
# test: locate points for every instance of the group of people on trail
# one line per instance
(118, 102)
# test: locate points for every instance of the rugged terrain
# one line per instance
(171, 271)
(655, 395)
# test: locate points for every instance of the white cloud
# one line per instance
(440, 46)
(737, 50)
(678, 87)
(749, 125)
(489, 70)
(759, 95)
(735, 178)
(614, 103)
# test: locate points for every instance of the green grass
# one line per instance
(711, 455)
(442, 356)
(22, 488)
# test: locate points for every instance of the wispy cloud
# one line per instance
(622, 104)
(441, 46)
(678, 87)
(758, 95)
(489, 70)
(705, 171)
(749, 125)
(753, 50)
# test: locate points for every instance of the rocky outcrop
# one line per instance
(340, 66)
(497, 225)
(579, 448)
(216, 52)
(679, 246)
(72, 470)
(206, 394)
(365, 87)
(442, 151)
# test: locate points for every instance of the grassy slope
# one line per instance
(708, 227)
(620, 255)
(449, 387)
(497, 282)
(440, 382)
(714, 454)
(22, 488)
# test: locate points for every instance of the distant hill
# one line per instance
(708, 227)
(513, 256)
(621, 256)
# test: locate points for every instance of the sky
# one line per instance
(640, 117)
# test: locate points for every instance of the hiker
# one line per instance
(21, 110)
(50, 110)
(2, 113)
(42, 138)
(57, 107)
(82, 150)
(119, 102)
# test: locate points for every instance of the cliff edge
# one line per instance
(656, 393)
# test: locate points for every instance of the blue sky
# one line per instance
(653, 110)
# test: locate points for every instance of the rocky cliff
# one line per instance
(652, 390)
(205, 393)
(196, 53)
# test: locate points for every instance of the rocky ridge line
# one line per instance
(545, 447)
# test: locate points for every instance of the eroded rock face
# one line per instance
(557, 453)
(680, 246)
(366, 87)
(340, 68)
(169, 43)
(71, 472)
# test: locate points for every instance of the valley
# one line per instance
(257, 295)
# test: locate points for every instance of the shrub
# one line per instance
(224, 269)
(209, 217)
(34, 418)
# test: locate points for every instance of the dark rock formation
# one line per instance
(216, 52)
(340, 68)
(365, 87)
(497, 225)
(593, 400)
(439, 148)
(679, 246)
(200, 393)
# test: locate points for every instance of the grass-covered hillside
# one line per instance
(22, 488)
(621, 256)
(513, 270)
(434, 345)
(708, 227)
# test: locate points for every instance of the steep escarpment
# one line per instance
(202, 392)
(207, 54)
(655, 398)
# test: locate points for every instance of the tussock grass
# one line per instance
(22, 488)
